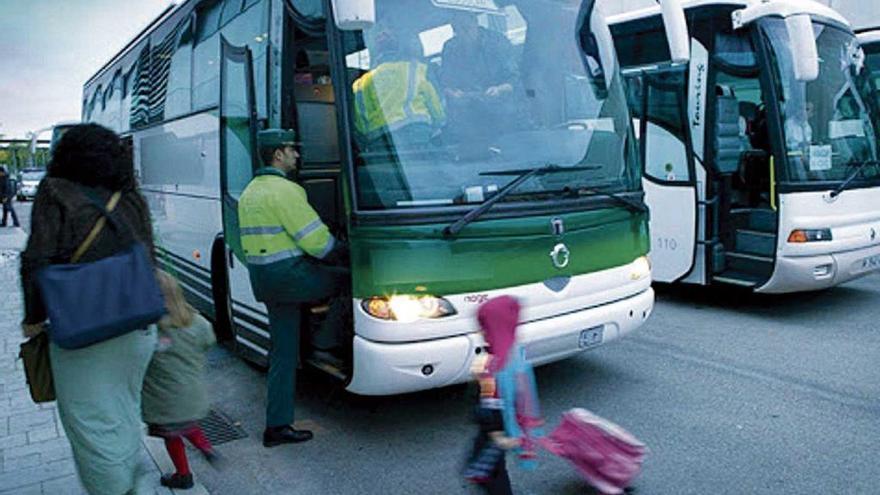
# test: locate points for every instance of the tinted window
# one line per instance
(231, 8)
(178, 100)
(208, 19)
(140, 92)
(310, 9)
(206, 73)
(251, 29)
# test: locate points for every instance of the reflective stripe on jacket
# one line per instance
(393, 95)
(277, 222)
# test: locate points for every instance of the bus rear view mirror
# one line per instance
(354, 15)
(805, 55)
(677, 35)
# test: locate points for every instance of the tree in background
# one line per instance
(17, 156)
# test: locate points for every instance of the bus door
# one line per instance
(238, 158)
(309, 106)
(669, 179)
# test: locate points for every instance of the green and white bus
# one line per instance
(760, 154)
(537, 196)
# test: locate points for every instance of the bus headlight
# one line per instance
(809, 235)
(408, 308)
(640, 268)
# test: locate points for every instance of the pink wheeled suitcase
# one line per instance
(605, 454)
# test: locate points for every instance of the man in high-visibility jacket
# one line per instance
(286, 245)
(396, 94)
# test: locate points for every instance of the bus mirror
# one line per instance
(676, 31)
(805, 55)
(354, 15)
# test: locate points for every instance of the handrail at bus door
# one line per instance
(772, 183)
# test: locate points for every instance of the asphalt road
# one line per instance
(733, 393)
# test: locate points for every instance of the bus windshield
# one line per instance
(444, 94)
(829, 123)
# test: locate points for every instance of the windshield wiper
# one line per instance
(855, 173)
(522, 176)
(628, 203)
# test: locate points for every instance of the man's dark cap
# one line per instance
(276, 138)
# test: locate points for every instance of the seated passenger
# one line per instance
(396, 100)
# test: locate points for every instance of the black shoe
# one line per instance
(279, 435)
(177, 481)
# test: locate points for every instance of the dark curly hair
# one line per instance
(94, 156)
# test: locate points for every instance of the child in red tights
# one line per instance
(174, 393)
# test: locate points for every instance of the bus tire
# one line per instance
(223, 326)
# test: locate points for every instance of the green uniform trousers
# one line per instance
(285, 318)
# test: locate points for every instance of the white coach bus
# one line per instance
(760, 154)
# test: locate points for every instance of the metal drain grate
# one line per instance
(220, 429)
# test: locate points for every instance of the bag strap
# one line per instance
(99, 225)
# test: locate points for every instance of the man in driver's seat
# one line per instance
(478, 75)
(396, 97)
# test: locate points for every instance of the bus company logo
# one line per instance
(698, 95)
(476, 298)
(560, 256)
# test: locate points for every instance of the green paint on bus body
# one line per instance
(491, 254)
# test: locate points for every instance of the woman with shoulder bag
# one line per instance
(87, 211)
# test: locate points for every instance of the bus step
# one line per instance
(750, 263)
(755, 242)
(740, 279)
(331, 369)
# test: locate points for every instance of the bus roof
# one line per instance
(134, 41)
(782, 8)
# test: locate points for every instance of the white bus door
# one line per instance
(668, 180)
(238, 160)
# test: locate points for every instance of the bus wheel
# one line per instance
(220, 288)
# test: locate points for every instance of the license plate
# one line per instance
(871, 262)
(590, 337)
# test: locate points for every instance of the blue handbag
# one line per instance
(92, 302)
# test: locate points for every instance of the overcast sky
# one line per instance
(49, 48)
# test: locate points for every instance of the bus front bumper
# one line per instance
(395, 368)
(806, 273)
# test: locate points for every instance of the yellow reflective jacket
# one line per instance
(278, 223)
(393, 95)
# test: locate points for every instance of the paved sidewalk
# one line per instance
(35, 456)
(12, 239)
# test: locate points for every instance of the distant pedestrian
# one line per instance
(7, 195)
(508, 414)
(98, 387)
(175, 396)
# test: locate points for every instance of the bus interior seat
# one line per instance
(728, 143)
